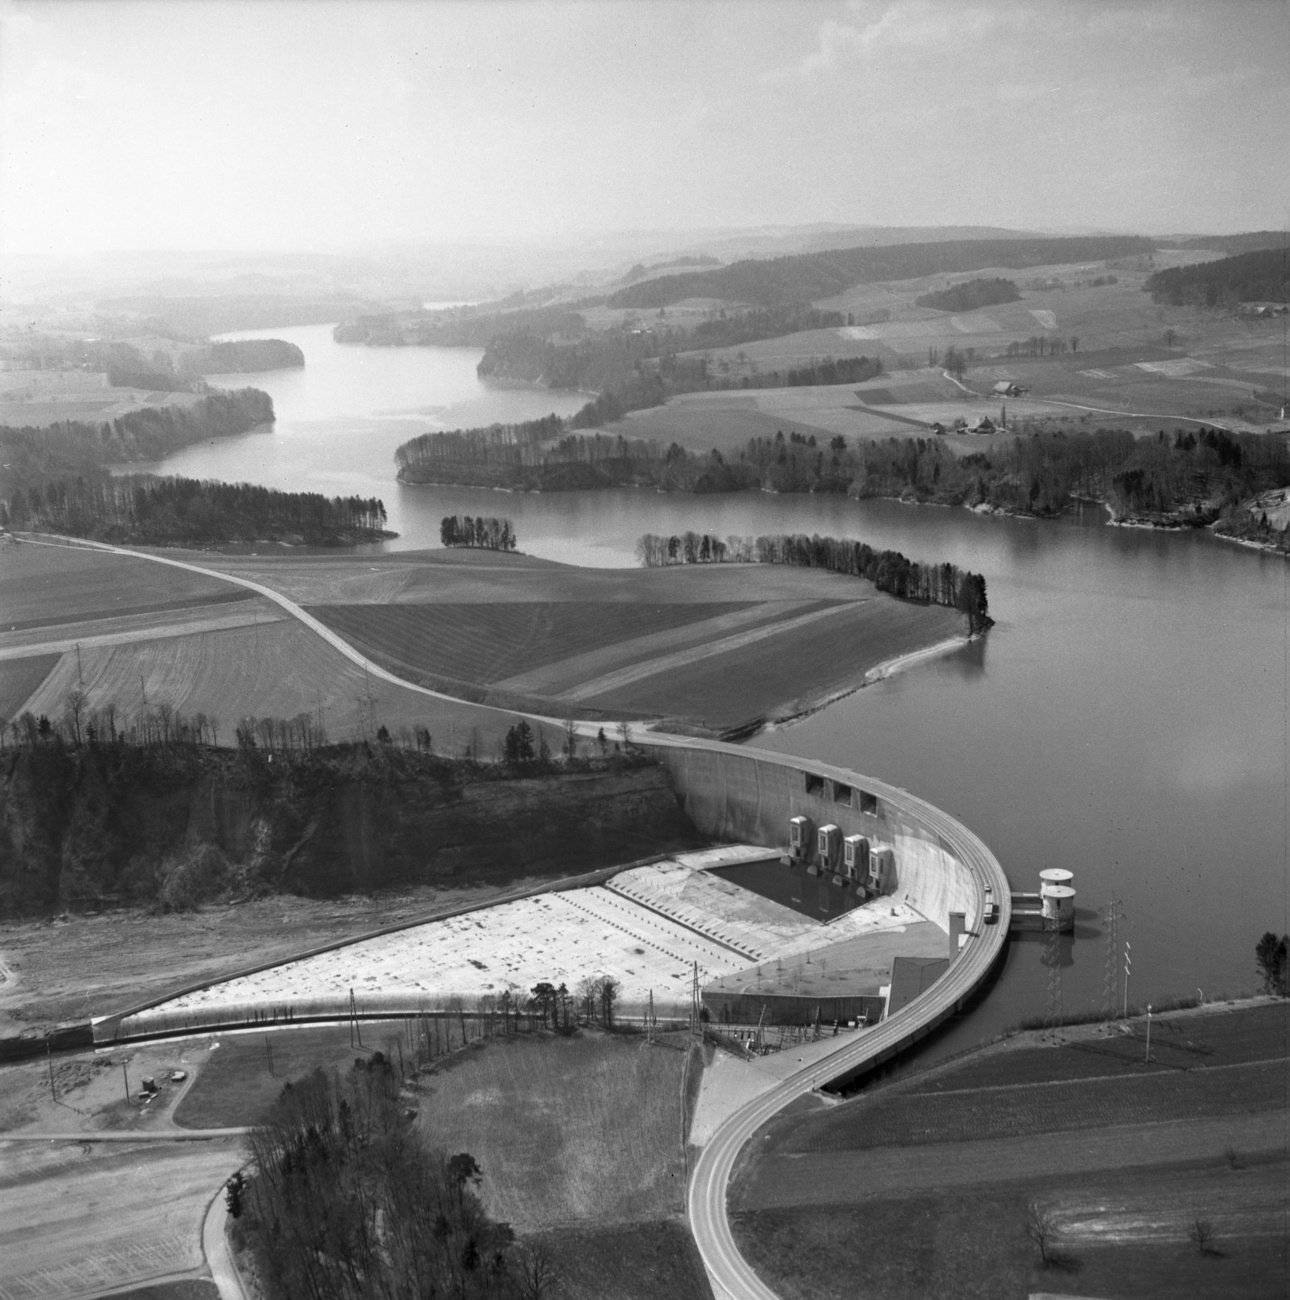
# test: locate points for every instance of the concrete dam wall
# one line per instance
(748, 795)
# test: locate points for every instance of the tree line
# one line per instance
(348, 1199)
(1259, 276)
(490, 534)
(971, 295)
(31, 456)
(889, 571)
(1208, 470)
(144, 509)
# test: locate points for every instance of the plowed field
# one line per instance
(279, 671)
(57, 584)
(485, 643)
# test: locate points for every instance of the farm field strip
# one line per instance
(124, 628)
(579, 668)
(278, 670)
(850, 1177)
(485, 643)
(91, 616)
(616, 680)
(66, 582)
(751, 682)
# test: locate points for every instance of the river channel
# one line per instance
(1126, 718)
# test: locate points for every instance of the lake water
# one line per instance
(1126, 718)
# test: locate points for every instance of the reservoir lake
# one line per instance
(1126, 718)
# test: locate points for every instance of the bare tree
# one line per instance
(1041, 1229)
(535, 1271)
(76, 702)
(1201, 1235)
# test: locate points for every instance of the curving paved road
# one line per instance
(729, 1273)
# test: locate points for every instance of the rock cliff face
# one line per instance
(109, 825)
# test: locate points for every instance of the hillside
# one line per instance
(1260, 276)
(179, 824)
(34, 456)
(808, 277)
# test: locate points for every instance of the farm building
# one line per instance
(1006, 388)
(983, 424)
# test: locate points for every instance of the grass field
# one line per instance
(50, 585)
(926, 1181)
(19, 678)
(1201, 1063)
(970, 1241)
(566, 1130)
(244, 1075)
(651, 1260)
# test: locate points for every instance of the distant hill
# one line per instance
(222, 313)
(810, 276)
(971, 295)
(1261, 276)
(1248, 243)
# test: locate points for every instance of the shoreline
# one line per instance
(878, 673)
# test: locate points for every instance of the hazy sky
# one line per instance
(323, 125)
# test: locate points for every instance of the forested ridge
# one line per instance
(808, 277)
(177, 370)
(1183, 476)
(1259, 276)
(32, 457)
(889, 571)
(142, 509)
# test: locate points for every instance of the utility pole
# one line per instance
(1147, 1060)
(49, 1050)
(1053, 960)
(126, 1075)
(1111, 973)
